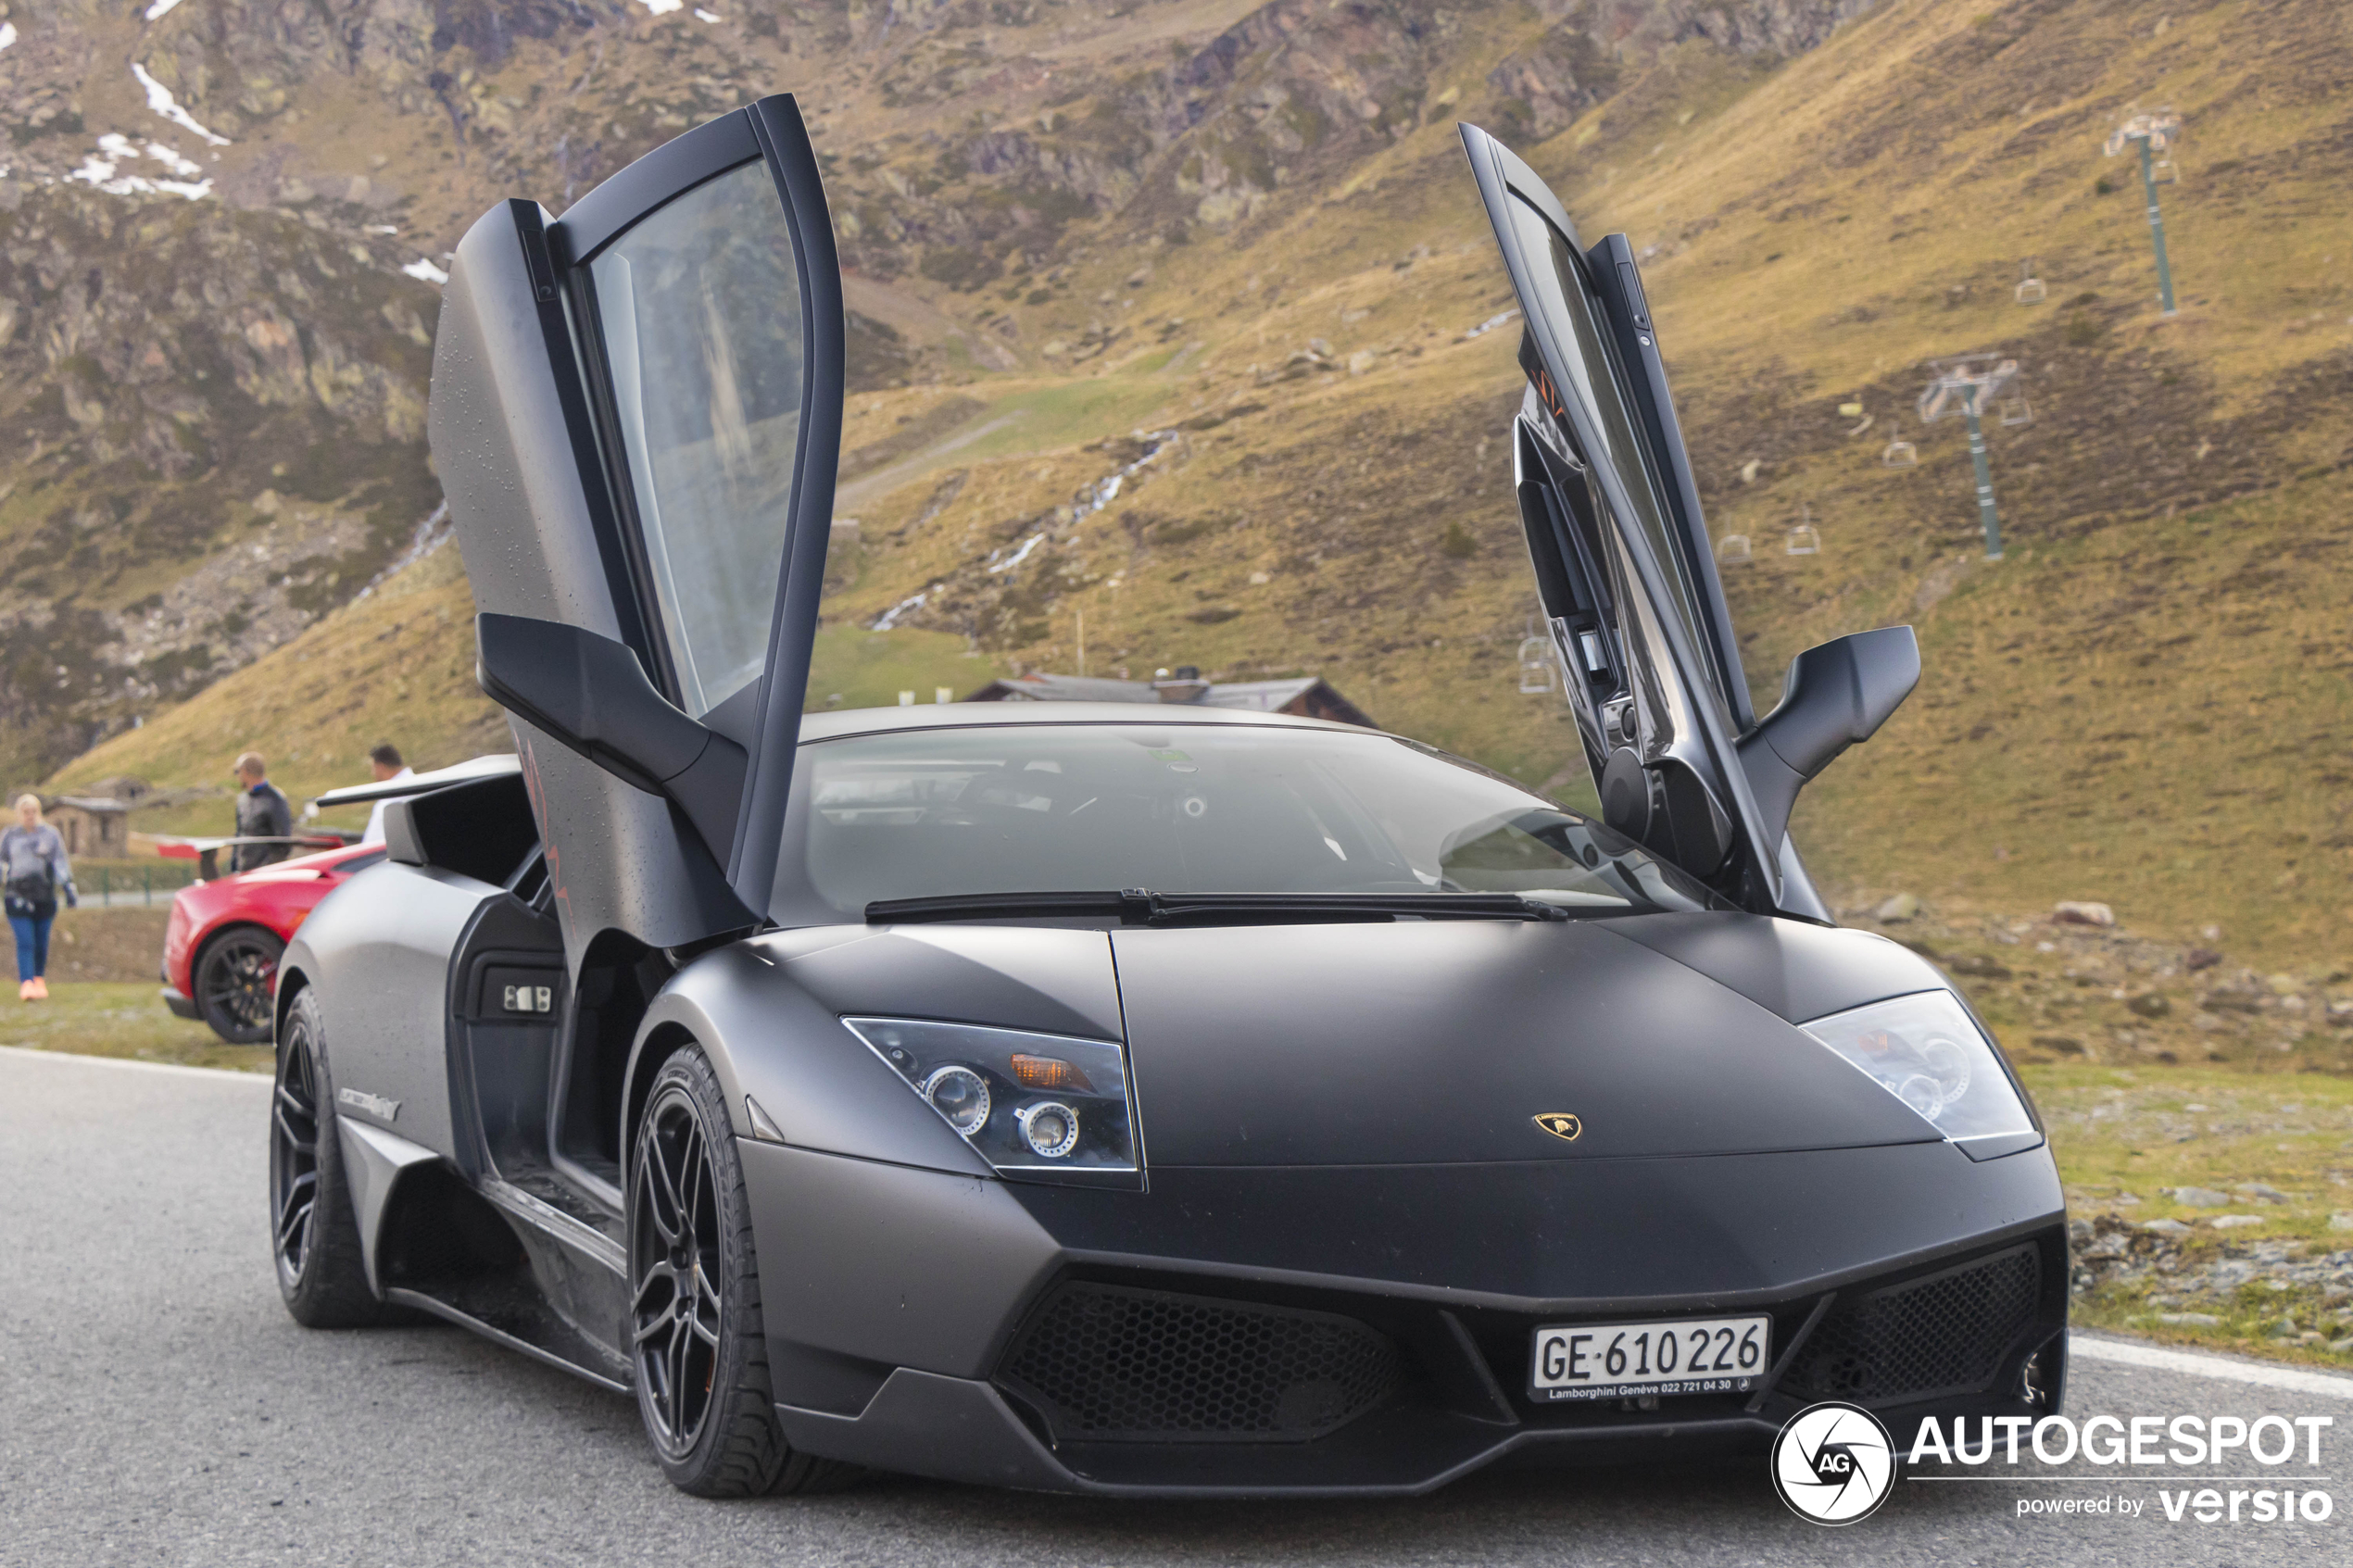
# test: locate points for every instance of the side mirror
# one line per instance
(1835, 695)
(591, 694)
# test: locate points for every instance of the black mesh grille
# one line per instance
(1941, 1334)
(1107, 1362)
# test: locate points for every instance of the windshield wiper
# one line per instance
(1141, 906)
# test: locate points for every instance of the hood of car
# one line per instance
(1471, 1041)
(1419, 1042)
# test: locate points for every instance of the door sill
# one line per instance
(514, 1315)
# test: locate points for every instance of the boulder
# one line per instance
(2198, 1198)
(1894, 910)
(2071, 911)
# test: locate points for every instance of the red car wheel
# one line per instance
(236, 977)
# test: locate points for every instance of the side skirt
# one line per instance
(521, 1322)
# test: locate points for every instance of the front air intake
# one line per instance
(1112, 1363)
(1944, 1334)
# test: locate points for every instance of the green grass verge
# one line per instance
(121, 1019)
(870, 669)
(2124, 1136)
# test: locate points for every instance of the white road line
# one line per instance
(2128, 1353)
(19, 1053)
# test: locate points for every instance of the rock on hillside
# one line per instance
(188, 392)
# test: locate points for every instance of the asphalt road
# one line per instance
(157, 1406)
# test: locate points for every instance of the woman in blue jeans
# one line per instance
(32, 860)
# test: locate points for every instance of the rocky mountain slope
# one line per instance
(1076, 228)
(221, 223)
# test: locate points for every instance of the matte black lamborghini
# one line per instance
(1131, 1100)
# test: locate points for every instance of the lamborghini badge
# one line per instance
(1560, 1123)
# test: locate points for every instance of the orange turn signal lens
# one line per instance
(1048, 1072)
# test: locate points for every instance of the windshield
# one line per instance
(1185, 808)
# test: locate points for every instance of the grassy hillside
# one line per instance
(2144, 703)
(394, 666)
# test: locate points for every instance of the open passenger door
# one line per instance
(636, 415)
(1625, 576)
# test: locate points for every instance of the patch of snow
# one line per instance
(160, 100)
(905, 607)
(661, 8)
(432, 533)
(8, 34)
(186, 168)
(1103, 491)
(102, 170)
(1490, 324)
(425, 271)
(383, 228)
(160, 9)
(703, 16)
(1019, 556)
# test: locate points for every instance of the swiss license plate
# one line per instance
(1618, 1361)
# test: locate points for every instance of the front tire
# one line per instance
(236, 979)
(698, 1347)
(314, 1238)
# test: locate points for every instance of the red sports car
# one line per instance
(220, 950)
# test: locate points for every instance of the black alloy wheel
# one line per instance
(677, 1313)
(293, 1161)
(236, 981)
(313, 1237)
(698, 1346)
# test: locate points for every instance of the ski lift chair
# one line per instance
(1804, 540)
(1734, 547)
(2165, 171)
(2016, 410)
(2030, 290)
(1900, 455)
(1535, 665)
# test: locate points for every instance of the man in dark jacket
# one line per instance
(262, 812)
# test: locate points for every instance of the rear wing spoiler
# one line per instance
(205, 852)
(498, 765)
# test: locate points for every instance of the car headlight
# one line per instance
(1032, 1104)
(1928, 1052)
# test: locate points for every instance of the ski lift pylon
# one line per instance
(1900, 455)
(1734, 547)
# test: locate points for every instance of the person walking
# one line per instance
(33, 859)
(384, 762)
(262, 812)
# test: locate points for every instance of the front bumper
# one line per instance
(182, 1004)
(919, 1301)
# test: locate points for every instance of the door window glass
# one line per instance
(1593, 383)
(700, 309)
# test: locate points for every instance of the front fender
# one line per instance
(903, 1248)
(768, 1037)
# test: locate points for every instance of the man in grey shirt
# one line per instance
(262, 812)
